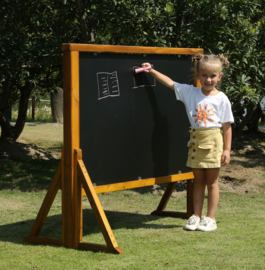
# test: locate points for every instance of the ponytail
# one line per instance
(199, 59)
(196, 59)
(224, 61)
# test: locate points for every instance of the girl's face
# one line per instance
(209, 75)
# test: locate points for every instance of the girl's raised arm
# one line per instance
(159, 76)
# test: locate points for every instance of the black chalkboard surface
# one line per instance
(132, 127)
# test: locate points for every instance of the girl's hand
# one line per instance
(225, 159)
(146, 65)
(159, 76)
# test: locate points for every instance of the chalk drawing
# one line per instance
(108, 85)
(142, 79)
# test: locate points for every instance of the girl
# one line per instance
(208, 111)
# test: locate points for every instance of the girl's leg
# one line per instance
(199, 190)
(213, 190)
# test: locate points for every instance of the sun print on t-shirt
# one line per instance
(203, 115)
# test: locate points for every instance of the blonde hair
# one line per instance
(199, 59)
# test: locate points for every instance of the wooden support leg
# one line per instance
(78, 228)
(45, 208)
(112, 245)
(67, 204)
(190, 208)
(165, 198)
(163, 203)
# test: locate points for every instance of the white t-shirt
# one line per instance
(204, 111)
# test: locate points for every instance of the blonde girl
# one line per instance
(210, 116)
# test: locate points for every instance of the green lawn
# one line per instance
(149, 242)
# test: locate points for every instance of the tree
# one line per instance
(31, 35)
(235, 28)
(57, 105)
(31, 58)
(127, 22)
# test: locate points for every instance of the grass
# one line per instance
(149, 242)
(47, 137)
(27, 175)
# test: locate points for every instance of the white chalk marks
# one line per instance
(142, 79)
(108, 85)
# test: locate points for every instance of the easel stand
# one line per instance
(72, 175)
(73, 218)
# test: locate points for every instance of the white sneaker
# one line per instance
(192, 223)
(207, 224)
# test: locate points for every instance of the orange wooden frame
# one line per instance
(72, 176)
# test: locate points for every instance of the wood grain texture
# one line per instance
(96, 206)
(71, 141)
(129, 49)
(166, 196)
(78, 210)
(142, 183)
(160, 211)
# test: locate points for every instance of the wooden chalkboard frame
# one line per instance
(71, 174)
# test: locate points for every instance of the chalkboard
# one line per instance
(131, 126)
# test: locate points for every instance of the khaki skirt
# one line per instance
(205, 148)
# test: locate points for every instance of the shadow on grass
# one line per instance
(36, 174)
(16, 232)
(27, 175)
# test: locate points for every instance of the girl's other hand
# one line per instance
(225, 159)
(146, 65)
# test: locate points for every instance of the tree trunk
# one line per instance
(253, 125)
(57, 105)
(12, 133)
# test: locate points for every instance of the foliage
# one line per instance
(235, 28)
(42, 114)
(30, 45)
(125, 22)
(31, 35)
(31, 59)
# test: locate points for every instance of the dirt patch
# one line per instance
(22, 151)
(245, 173)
